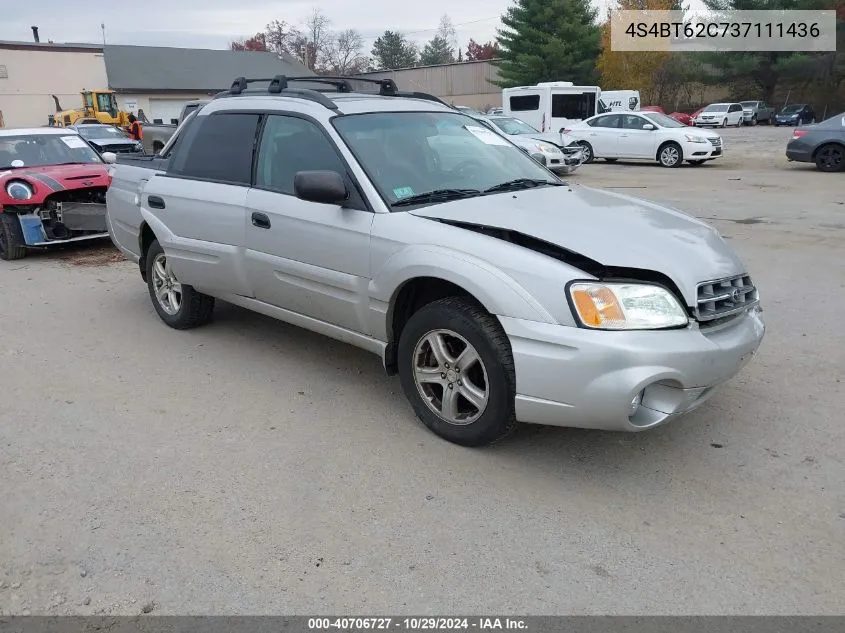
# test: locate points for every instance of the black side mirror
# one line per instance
(326, 187)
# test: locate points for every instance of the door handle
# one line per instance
(260, 220)
(155, 202)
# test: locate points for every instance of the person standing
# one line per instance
(136, 132)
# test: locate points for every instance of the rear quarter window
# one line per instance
(218, 147)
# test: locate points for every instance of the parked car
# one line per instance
(652, 108)
(156, 135)
(559, 153)
(498, 293)
(645, 136)
(493, 111)
(108, 138)
(467, 110)
(52, 189)
(720, 115)
(795, 114)
(822, 144)
(754, 112)
(682, 117)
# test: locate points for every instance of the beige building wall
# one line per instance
(463, 83)
(132, 102)
(34, 73)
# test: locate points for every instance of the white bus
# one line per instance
(551, 105)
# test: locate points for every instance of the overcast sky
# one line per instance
(195, 24)
(192, 23)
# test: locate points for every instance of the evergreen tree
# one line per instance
(392, 51)
(548, 40)
(756, 75)
(437, 51)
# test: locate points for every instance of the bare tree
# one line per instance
(446, 31)
(318, 38)
(344, 54)
(281, 37)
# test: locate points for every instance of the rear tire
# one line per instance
(830, 158)
(177, 304)
(12, 244)
(431, 347)
(589, 157)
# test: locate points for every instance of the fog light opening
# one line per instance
(635, 404)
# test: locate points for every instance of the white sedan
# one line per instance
(644, 136)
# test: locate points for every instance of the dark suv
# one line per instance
(795, 114)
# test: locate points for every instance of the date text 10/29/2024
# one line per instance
(416, 624)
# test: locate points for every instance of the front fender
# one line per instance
(499, 293)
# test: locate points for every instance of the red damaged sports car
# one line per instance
(52, 189)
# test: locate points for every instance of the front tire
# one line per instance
(12, 244)
(670, 155)
(177, 304)
(724, 123)
(457, 370)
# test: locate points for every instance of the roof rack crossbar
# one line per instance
(279, 85)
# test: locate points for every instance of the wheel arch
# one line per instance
(405, 289)
(825, 144)
(146, 236)
(668, 141)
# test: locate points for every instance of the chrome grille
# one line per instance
(724, 297)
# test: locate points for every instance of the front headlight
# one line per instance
(545, 148)
(695, 139)
(625, 306)
(19, 190)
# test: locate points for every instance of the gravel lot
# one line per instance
(251, 467)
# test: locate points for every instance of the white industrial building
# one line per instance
(157, 80)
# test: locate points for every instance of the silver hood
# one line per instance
(561, 140)
(610, 228)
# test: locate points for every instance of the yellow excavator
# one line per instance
(98, 106)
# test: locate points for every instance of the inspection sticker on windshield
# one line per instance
(486, 136)
(403, 192)
(73, 142)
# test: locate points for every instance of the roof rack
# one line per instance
(279, 85)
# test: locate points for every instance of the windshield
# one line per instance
(36, 150)
(718, 107)
(748, 104)
(509, 125)
(407, 154)
(105, 131)
(662, 120)
(792, 108)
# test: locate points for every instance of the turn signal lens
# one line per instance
(626, 306)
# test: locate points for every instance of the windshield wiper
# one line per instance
(438, 195)
(521, 183)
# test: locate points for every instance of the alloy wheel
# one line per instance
(450, 377)
(669, 156)
(168, 291)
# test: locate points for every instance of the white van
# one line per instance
(625, 100)
(551, 105)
